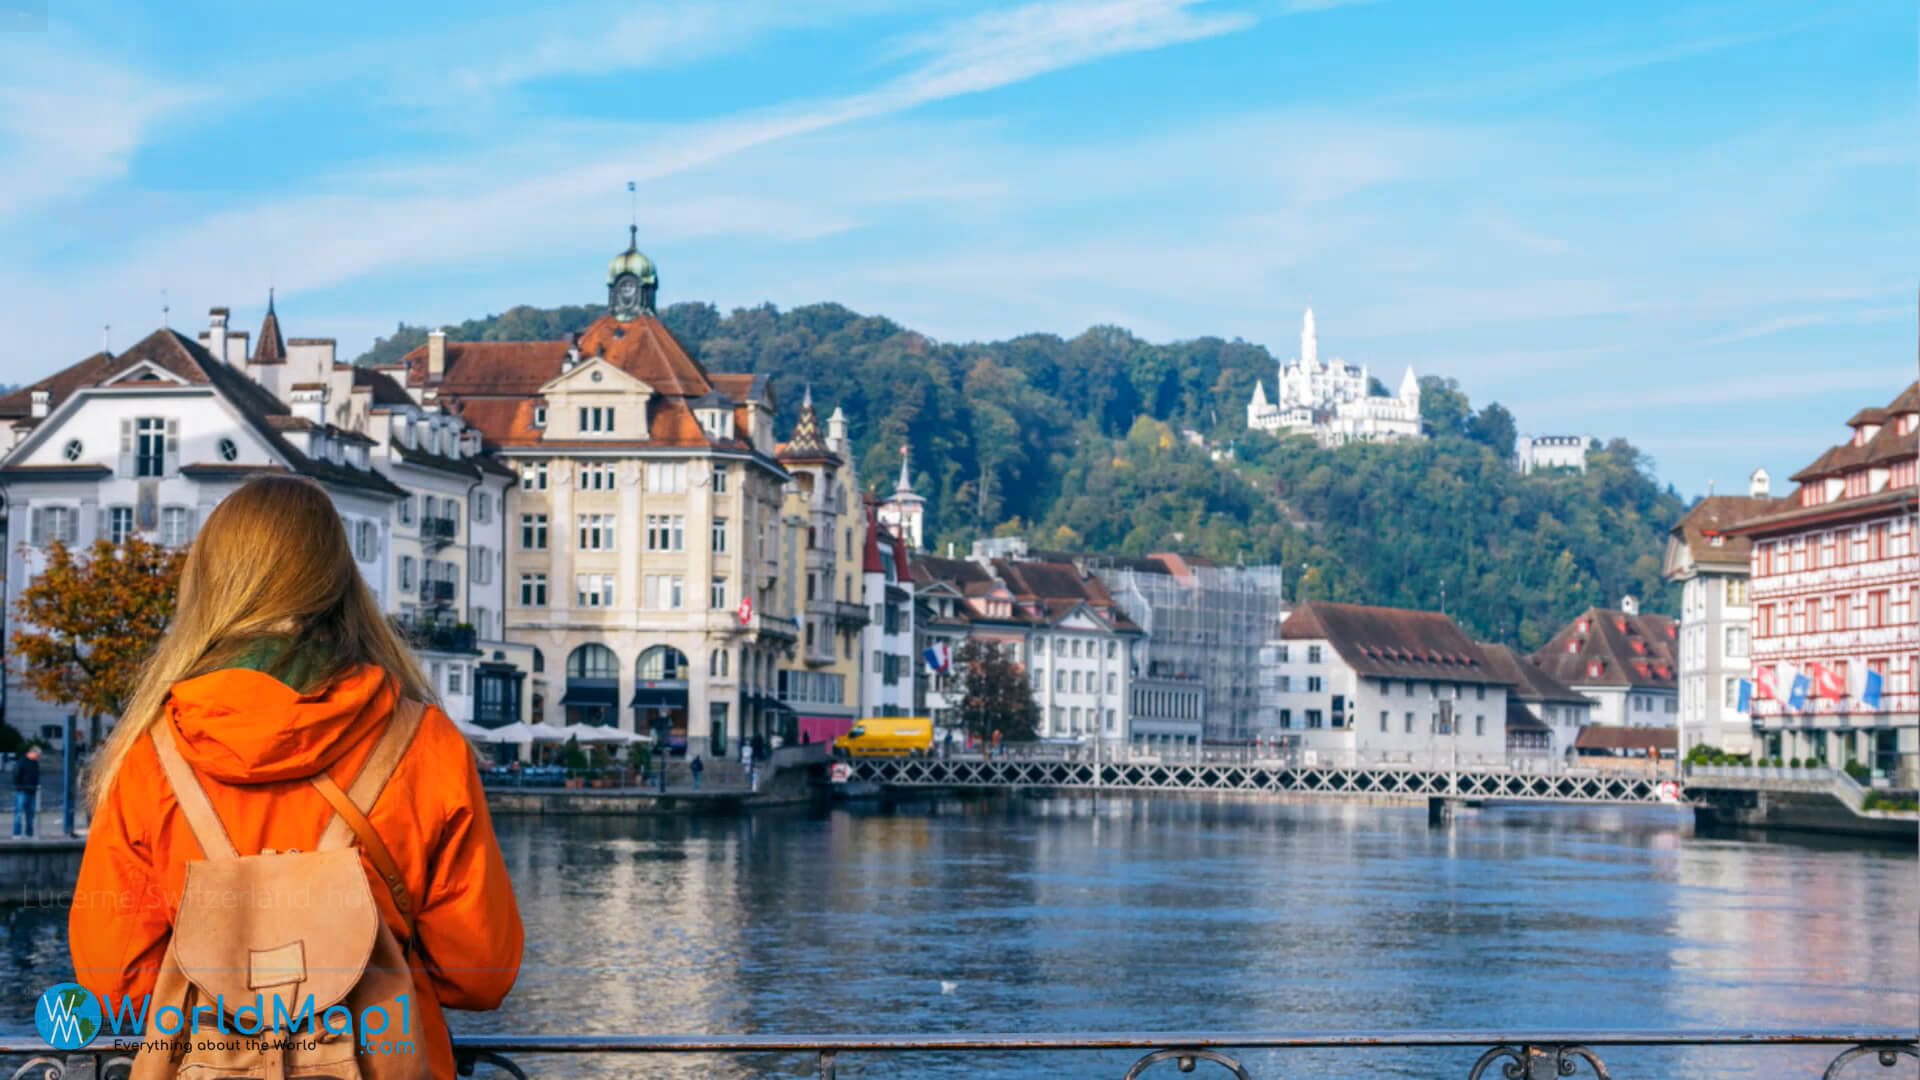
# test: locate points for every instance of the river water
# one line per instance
(1017, 915)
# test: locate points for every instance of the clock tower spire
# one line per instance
(631, 281)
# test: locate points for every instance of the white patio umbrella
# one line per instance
(511, 733)
(545, 732)
(594, 733)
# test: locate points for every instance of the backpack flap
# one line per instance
(276, 928)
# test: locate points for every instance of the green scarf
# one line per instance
(299, 664)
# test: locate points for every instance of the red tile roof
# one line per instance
(1609, 639)
(1714, 516)
(642, 348)
(272, 348)
(1395, 643)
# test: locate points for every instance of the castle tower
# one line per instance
(904, 511)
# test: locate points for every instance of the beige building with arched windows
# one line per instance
(644, 540)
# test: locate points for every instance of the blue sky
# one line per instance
(1692, 225)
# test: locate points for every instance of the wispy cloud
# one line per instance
(1800, 321)
(1714, 396)
(70, 121)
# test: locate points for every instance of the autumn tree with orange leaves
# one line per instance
(89, 619)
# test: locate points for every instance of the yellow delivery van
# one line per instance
(887, 736)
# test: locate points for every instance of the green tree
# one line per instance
(1494, 428)
(1443, 406)
(995, 694)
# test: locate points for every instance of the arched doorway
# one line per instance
(593, 686)
(660, 697)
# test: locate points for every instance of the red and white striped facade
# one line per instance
(1835, 594)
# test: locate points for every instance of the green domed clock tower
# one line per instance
(631, 281)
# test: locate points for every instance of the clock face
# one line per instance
(626, 293)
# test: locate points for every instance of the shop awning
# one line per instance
(591, 694)
(658, 697)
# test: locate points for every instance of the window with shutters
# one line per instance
(119, 523)
(149, 446)
(406, 510)
(51, 523)
(406, 573)
(176, 526)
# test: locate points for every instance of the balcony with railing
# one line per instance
(438, 532)
(434, 635)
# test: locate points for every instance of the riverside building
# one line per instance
(1716, 613)
(644, 559)
(1351, 684)
(1835, 591)
(824, 540)
(148, 441)
(1620, 660)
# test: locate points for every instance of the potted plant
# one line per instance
(575, 761)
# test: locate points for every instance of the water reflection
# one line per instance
(1063, 914)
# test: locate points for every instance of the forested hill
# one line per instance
(1078, 443)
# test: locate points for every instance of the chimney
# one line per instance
(1629, 605)
(217, 333)
(1759, 485)
(436, 355)
(42, 399)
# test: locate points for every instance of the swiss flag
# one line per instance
(745, 611)
(1763, 680)
(1827, 682)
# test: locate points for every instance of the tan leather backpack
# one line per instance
(259, 940)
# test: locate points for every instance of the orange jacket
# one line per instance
(254, 742)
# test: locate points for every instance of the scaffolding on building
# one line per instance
(1202, 623)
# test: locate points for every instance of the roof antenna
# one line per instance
(633, 217)
(164, 324)
(106, 339)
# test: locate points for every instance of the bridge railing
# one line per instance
(1816, 1055)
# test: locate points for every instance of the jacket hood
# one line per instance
(241, 726)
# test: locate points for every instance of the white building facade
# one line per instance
(1533, 453)
(1348, 684)
(1333, 401)
(1716, 615)
(887, 676)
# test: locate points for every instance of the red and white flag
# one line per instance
(745, 611)
(1763, 682)
(1827, 682)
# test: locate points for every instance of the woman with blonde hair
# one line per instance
(275, 682)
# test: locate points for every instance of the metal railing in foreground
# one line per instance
(1510, 1055)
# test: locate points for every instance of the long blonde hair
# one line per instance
(272, 561)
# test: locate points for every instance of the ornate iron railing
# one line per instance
(1511, 1055)
(1303, 780)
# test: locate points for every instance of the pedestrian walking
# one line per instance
(696, 769)
(26, 791)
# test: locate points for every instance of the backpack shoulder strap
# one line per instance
(212, 836)
(352, 804)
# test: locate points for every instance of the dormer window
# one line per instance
(1716, 540)
(1580, 625)
(596, 419)
(539, 416)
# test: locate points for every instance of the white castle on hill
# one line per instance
(1333, 400)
